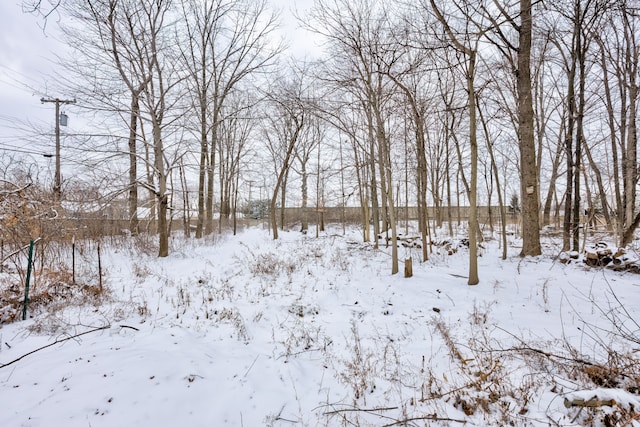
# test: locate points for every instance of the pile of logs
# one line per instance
(450, 246)
(602, 255)
(405, 241)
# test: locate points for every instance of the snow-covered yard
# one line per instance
(247, 331)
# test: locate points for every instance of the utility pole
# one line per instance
(57, 186)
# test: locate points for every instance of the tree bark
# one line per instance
(134, 225)
(528, 168)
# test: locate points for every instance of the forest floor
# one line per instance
(304, 331)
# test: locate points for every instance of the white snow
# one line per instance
(247, 331)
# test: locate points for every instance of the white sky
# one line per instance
(28, 64)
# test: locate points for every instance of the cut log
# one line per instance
(408, 267)
(594, 402)
(592, 259)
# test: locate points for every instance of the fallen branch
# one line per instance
(340, 411)
(427, 417)
(630, 420)
(54, 343)
(594, 402)
(552, 355)
(527, 348)
(432, 417)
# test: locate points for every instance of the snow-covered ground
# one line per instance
(247, 331)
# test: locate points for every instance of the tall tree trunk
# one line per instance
(448, 179)
(204, 144)
(161, 195)
(203, 167)
(602, 193)
(281, 180)
(496, 174)
(208, 226)
(546, 211)
(630, 163)
(580, 53)
(568, 144)
(134, 226)
(422, 184)
(473, 193)
(528, 168)
(361, 169)
(375, 210)
(472, 187)
(304, 226)
(611, 122)
(186, 208)
(386, 178)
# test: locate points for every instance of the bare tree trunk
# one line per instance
(186, 208)
(386, 178)
(134, 226)
(602, 193)
(470, 53)
(546, 212)
(235, 198)
(208, 226)
(473, 194)
(529, 180)
(579, 135)
(613, 141)
(494, 167)
(304, 223)
(162, 198)
(375, 211)
(630, 163)
(202, 172)
(342, 190)
(282, 173)
(422, 164)
(362, 192)
(448, 179)
(568, 144)
(283, 198)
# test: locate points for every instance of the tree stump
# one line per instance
(408, 267)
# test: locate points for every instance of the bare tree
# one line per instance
(133, 39)
(360, 35)
(619, 58)
(497, 21)
(235, 131)
(203, 22)
(232, 40)
(309, 142)
(284, 125)
(408, 76)
(469, 48)
(96, 30)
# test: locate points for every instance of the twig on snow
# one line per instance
(340, 411)
(427, 417)
(54, 343)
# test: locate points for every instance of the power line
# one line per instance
(14, 149)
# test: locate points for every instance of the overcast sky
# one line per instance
(28, 64)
